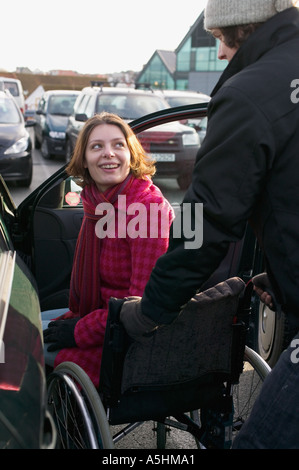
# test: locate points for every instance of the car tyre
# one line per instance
(36, 143)
(45, 150)
(26, 182)
(68, 151)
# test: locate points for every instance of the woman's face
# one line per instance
(107, 156)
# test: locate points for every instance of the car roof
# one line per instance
(9, 79)
(61, 92)
(117, 90)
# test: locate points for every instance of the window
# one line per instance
(72, 193)
(201, 38)
(12, 88)
(184, 56)
(8, 111)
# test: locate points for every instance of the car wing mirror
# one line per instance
(81, 117)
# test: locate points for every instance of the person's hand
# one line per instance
(61, 334)
(262, 287)
(137, 325)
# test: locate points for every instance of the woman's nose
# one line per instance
(108, 152)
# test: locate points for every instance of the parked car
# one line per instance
(14, 86)
(53, 111)
(181, 98)
(173, 145)
(15, 142)
(30, 115)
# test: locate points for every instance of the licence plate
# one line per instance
(163, 157)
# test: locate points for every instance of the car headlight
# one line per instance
(18, 147)
(57, 135)
(190, 139)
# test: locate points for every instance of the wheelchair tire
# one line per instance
(245, 393)
(77, 409)
(255, 370)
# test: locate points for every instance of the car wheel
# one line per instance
(272, 334)
(184, 181)
(26, 182)
(45, 150)
(36, 143)
(68, 152)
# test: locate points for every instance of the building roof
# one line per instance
(168, 58)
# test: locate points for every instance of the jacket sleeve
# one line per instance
(230, 171)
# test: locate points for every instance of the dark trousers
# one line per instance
(274, 420)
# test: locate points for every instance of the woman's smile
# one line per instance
(109, 166)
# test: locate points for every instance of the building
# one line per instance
(159, 72)
(192, 66)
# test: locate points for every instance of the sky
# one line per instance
(92, 36)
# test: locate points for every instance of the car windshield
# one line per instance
(8, 112)
(61, 104)
(130, 106)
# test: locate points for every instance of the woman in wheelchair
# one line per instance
(116, 249)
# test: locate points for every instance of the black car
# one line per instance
(24, 419)
(54, 109)
(15, 142)
(172, 145)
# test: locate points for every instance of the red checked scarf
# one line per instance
(85, 283)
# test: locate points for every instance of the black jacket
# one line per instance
(247, 169)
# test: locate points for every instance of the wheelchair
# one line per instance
(194, 376)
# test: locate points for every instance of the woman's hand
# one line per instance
(61, 333)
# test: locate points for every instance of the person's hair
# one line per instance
(235, 36)
(141, 164)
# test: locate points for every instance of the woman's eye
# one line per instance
(119, 144)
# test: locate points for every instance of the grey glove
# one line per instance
(137, 325)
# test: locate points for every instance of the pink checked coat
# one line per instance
(124, 269)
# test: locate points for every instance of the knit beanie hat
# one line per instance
(222, 13)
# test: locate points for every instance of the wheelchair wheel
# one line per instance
(255, 370)
(77, 409)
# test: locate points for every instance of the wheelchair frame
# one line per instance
(86, 417)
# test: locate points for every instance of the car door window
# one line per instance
(72, 193)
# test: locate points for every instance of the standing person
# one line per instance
(116, 249)
(246, 170)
